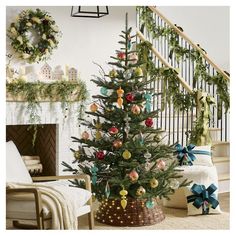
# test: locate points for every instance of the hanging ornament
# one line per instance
(117, 143)
(133, 57)
(138, 72)
(103, 91)
(123, 194)
(77, 155)
(135, 109)
(127, 74)
(126, 154)
(94, 107)
(107, 190)
(121, 55)
(113, 73)
(149, 122)
(120, 93)
(147, 155)
(129, 97)
(161, 164)
(174, 184)
(157, 138)
(148, 104)
(141, 138)
(129, 42)
(150, 203)
(127, 127)
(133, 175)
(85, 135)
(154, 183)
(98, 135)
(94, 171)
(113, 130)
(100, 155)
(140, 191)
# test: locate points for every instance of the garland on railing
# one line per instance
(65, 92)
(170, 85)
(201, 68)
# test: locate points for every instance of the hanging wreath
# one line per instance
(34, 35)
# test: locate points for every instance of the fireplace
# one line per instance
(46, 144)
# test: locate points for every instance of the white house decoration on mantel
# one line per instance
(58, 73)
(46, 72)
(72, 74)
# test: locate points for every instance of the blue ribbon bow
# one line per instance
(203, 197)
(186, 154)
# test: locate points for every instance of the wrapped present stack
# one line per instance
(33, 164)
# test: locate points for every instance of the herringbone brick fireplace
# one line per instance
(46, 144)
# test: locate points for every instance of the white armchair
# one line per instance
(26, 201)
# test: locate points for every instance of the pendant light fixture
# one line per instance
(98, 11)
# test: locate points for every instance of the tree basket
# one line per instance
(136, 213)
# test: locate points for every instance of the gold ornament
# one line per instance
(77, 155)
(126, 154)
(98, 135)
(154, 183)
(117, 143)
(120, 93)
(138, 71)
(113, 73)
(140, 191)
(94, 107)
(123, 201)
(120, 102)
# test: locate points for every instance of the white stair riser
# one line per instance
(222, 168)
(224, 186)
(215, 135)
(221, 150)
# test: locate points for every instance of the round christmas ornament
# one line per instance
(138, 72)
(113, 130)
(135, 109)
(126, 154)
(94, 107)
(140, 191)
(150, 203)
(85, 135)
(133, 175)
(149, 122)
(77, 155)
(129, 97)
(161, 164)
(133, 57)
(117, 143)
(103, 91)
(113, 73)
(100, 155)
(127, 74)
(121, 55)
(157, 138)
(174, 184)
(154, 183)
(147, 155)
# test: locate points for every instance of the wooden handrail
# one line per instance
(164, 62)
(183, 35)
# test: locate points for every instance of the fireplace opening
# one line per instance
(45, 147)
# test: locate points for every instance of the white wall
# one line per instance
(208, 26)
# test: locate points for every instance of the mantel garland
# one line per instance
(65, 92)
(201, 68)
(40, 24)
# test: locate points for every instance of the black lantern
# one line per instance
(97, 13)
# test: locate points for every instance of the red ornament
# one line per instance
(113, 130)
(100, 155)
(117, 143)
(149, 122)
(129, 97)
(161, 165)
(121, 55)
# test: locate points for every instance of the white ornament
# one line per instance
(73, 74)
(58, 73)
(174, 184)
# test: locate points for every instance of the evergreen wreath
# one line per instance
(43, 31)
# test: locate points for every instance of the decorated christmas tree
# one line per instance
(121, 149)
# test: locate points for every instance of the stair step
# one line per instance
(223, 177)
(220, 159)
(215, 143)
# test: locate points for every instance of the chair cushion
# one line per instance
(16, 170)
(198, 174)
(26, 209)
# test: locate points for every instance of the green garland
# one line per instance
(201, 68)
(43, 25)
(64, 91)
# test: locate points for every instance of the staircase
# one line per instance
(168, 42)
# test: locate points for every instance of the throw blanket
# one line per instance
(58, 199)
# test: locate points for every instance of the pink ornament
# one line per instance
(133, 175)
(135, 109)
(85, 135)
(161, 165)
(134, 58)
(113, 130)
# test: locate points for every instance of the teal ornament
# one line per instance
(94, 171)
(140, 138)
(107, 190)
(150, 203)
(127, 74)
(148, 104)
(103, 91)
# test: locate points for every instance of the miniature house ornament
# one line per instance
(58, 73)
(72, 74)
(46, 72)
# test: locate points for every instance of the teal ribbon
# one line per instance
(94, 171)
(186, 155)
(203, 197)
